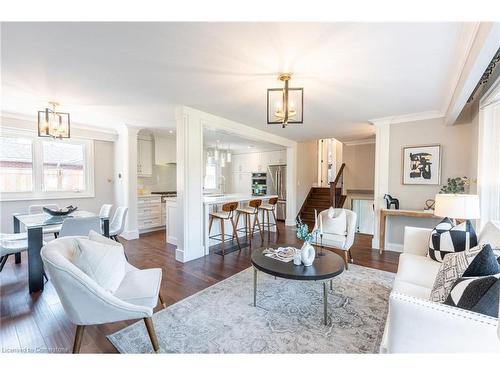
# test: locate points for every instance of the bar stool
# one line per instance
(227, 213)
(265, 208)
(248, 212)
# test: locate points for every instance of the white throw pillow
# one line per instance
(94, 236)
(491, 235)
(335, 224)
(104, 263)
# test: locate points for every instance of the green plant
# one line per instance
(303, 231)
(455, 185)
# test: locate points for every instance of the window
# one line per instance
(210, 182)
(36, 168)
(16, 165)
(63, 167)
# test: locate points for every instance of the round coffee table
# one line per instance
(324, 268)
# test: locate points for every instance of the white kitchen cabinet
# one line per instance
(165, 150)
(241, 182)
(144, 158)
(149, 212)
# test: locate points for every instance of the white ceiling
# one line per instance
(107, 74)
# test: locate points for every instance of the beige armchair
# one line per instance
(87, 303)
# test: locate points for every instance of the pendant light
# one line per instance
(52, 123)
(285, 105)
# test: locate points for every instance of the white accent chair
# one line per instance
(105, 210)
(80, 226)
(87, 303)
(417, 325)
(117, 225)
(339, 241)
(11, 244)
(38, 209)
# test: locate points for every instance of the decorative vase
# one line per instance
(307, 254)
(297, 259)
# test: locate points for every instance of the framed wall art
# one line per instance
(421, 165)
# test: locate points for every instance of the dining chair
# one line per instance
(105, 210)
(11, 244)
(80, 226)
(38, 209)
(117, 225)
(84, 298)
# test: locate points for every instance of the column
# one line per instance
(382, 142)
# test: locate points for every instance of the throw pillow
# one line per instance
(484, 264)
(335, 224)
(104, 263)
(452, 267)
(448, 238)
(478, 294)
(491, 235)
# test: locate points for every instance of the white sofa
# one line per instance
(417, 325)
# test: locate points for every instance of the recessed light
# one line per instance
(171, 131)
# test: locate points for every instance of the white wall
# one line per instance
(307, 169)
(104, 189)
(458, 158)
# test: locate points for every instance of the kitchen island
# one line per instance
(212, 203)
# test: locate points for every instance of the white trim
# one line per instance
(427, 115)
(360, 142)
(492, 96)
(394, 247)
(28, 124)
(37, 172)
(381, 185)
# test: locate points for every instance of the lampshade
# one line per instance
(457, 206)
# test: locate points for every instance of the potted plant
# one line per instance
(307, 252)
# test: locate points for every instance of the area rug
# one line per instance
(288, 317)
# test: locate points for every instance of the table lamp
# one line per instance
(457, 206)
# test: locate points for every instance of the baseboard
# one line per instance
(375, 243)
(394, 247)
(180, 255)
(130, 235)
(172, 240)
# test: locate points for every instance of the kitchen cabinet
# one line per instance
(241, 182)
(144, 158)
(165, 150)
(149, 211)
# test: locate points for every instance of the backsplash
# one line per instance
(163, 179)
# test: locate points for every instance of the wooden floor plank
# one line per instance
(38, 320)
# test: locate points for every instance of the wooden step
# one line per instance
(320, 202)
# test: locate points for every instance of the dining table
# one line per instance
(34, 224)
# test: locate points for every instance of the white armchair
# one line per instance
(335, 240)
(87, 303)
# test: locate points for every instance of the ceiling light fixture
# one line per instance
(52, 123)
(285, 105)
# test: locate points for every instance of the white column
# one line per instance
(382, 142)
(189, 184)
(126, 177)
(291, 183)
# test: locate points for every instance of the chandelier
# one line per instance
(52, 123)
(285, 105)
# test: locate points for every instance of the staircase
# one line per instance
(322, 198)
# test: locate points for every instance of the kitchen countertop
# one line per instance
(234, 198)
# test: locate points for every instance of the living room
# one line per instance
(327, 187)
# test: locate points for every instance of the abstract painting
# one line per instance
(422, 165)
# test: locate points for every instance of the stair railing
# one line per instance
(335, 184)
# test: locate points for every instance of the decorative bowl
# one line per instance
(61, 211)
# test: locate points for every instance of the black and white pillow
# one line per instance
(479, 294)
(449, 238)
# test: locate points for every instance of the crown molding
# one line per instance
(360, 142)
(411, 117)
(74, 125)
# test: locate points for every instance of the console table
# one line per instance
(384, 212)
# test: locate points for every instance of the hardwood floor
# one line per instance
(37, 322)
